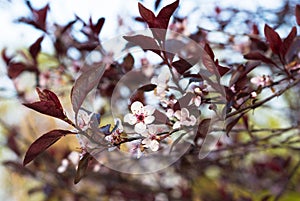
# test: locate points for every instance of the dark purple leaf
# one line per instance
(148, 87)
(47, 95)
(231, 122)
(38, 17)
(297, 14)
(165, 14)
(182, 65)
(145, 42)
(82, 167)
(47, 108)
(288, 41)
(260, 57)
(18, 168)
(221, 69)
(84, 84)
(35, 48)
(43, 143)
(273, 38)
(146, 14)
(209, 51)
(98, 26)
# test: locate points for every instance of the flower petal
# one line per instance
(140, 127)
(177, 125)
(149, 119)
(137, 107)
(130, 118)
(154, 145)
(184, 113)
(149, 110)
(152, 129)
(197, 101)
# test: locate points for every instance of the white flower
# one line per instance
(150, 140)
(151, 144)
(115, 136)
(161, 83)
(197, 99)
(140, 117)
(183, 118)
(261, 80)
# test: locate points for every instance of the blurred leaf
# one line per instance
(35, 48)
(297, 14)
(128, 63)
(82, 167)
(43, 143)
(96, 28)
(287, 42)
(15, 69)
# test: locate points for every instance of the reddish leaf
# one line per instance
(43, 143)
(39, 17)
(288, 41)
(84, 84)
(82, 167)
(273, 38)
(49, 104)
(47, 108)
(159, 22)
(145, 42)
(15, 69)
(35, 48)
(47, 95)
(297, 14)
(260, 57)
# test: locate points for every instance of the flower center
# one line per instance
(140, 117)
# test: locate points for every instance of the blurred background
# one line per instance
(249, 172)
